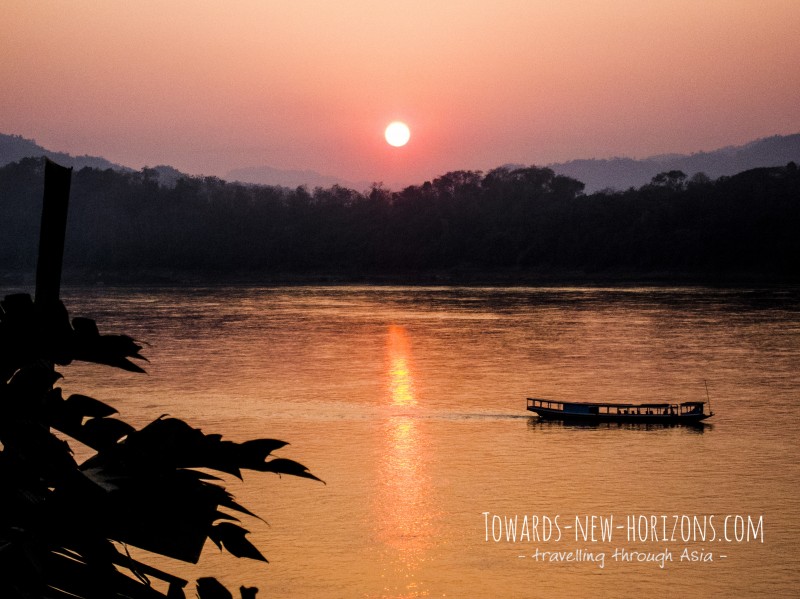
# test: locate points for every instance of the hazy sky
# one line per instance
(210, 86)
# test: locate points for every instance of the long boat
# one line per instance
(687, 412)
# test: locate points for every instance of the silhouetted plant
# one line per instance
(64, 526)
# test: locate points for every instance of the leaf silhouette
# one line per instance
(285, 466)
(211, 588)
(232, 537)
(88, 406)
(99, 433)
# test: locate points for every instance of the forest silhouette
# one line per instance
(517, 221)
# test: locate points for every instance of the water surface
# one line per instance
(410, 404)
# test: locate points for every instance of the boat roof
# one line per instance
(619, 404)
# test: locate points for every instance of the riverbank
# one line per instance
(509, 277)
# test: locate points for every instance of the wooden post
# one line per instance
(57, 181)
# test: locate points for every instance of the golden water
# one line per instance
(410, 404)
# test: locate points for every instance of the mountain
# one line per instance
(266, 175)
(622, 173)
(597, 174)
(15, 147)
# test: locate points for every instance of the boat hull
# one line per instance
(565, 416)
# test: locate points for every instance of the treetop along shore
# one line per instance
(458, 277)
(507, 225)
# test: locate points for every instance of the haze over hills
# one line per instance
(623, 173)
(597, 174)
(15, 147)
(266, 175)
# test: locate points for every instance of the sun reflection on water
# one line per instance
(404, 518)
(401, 383)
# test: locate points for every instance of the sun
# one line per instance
(397, 134)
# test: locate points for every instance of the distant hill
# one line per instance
(623, 173)
(14, 148)
(597, 174)
(266, 175)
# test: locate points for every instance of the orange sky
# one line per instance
(210, 86)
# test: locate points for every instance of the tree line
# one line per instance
(521, 219)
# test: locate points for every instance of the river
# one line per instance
(409, 403)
